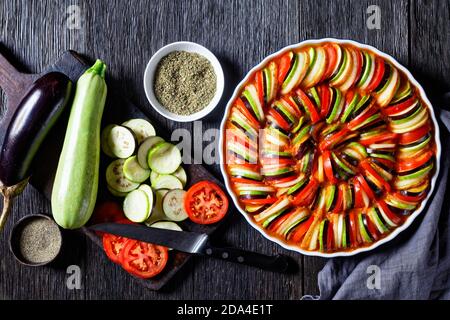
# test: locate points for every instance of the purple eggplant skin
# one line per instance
(36, 114)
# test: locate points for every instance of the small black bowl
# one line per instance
(14, 240)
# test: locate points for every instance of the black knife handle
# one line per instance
(277, 263)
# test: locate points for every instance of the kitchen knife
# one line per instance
(196, 243)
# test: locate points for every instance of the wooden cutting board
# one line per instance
(117, 110)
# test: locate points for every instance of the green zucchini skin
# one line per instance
(76, 183)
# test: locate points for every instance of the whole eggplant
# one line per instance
(35, 115)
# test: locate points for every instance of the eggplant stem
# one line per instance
(8, 195)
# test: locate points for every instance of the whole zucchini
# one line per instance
(76, 183)
(35, 115)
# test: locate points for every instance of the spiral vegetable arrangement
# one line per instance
(329, 147)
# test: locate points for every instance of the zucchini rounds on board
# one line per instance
(329, 147)
(142, 156)
(35, 115)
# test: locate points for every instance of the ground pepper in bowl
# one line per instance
(185, 82)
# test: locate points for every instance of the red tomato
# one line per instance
(324, 92)
(370, 170)
(309, 106)
(410, 198)
(278, 222)
(205, 203)
(415, 162)
(354, 234)
(304, 197)
(378, 76)
(333, 139)
(284, 66)
(259, 201)
(260, 86)
(109, 211)
(332, 60)
(144, 260)
(301, 230)
(279, 119)
(241, 106)
(365, 186)
(412, 136)
(391, 215)
(399, 107)
(113, 244)
(384, 136)
(328, 167)
(330, 236)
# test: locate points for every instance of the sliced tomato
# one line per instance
(206, 203)
(328, 167)
(355, 237)
(399, 107)
(284, 65)
(303, 198)
(339, 201)
(269, 200)
(378, 75)
(378, 138)
(370, 111)
(332, 140)
(113, 244)
(241, 106)
(289, 100)
(309, 106)
(391, 215)
(279, 119)
(407, 198)
(332, 60)
(280, 161)
(370, 170)
(324, 92)
(414, 135)
(274, 226)
(330, 236)
(365, 186)
(415, 162)
(260, 86)
(144, 260)
(372, 228)
(300, 231)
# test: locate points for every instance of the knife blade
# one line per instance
(197, 243)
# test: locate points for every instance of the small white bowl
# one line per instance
(150, 73)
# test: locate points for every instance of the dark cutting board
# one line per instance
(117, 110)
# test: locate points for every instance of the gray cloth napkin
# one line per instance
(415, 265)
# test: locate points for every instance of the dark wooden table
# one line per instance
(241, 33)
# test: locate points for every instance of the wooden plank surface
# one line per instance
(240, 33)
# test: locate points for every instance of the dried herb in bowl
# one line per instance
(185, 82)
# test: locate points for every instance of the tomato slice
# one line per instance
(260, 86)
(280, 161)
(284, 66)
(378, 138)
(241, 106)
(309, 106)
(415, 162)
(330, 236)
(407, 198)
(332, 60)
(333, 139)
(412, 136)
(370, 111)
(269, 200)
(301, 230)
(278, 222)
(339, 200)
(378, 76)
(113, 244)
(365, 186)
(306, 196)
(328, 167)
(324, 92)
(144, 260)
(391, 215)
(399, 107)
(205, 203)
(370, 170)
(354, 235)
(279, 119)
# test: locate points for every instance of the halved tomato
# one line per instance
(205, 202)
(144, 260)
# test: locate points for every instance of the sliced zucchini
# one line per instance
(104, 140)
(144, 148)
(164, 158)
(141, 128)
(136, 206)
(153, 176)
(167, 181)
(149, 192)
(134, 172)
(121, 142)
(181, 175)
(116, 179)
(116, 193)
(157, 214)
(173, 205)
